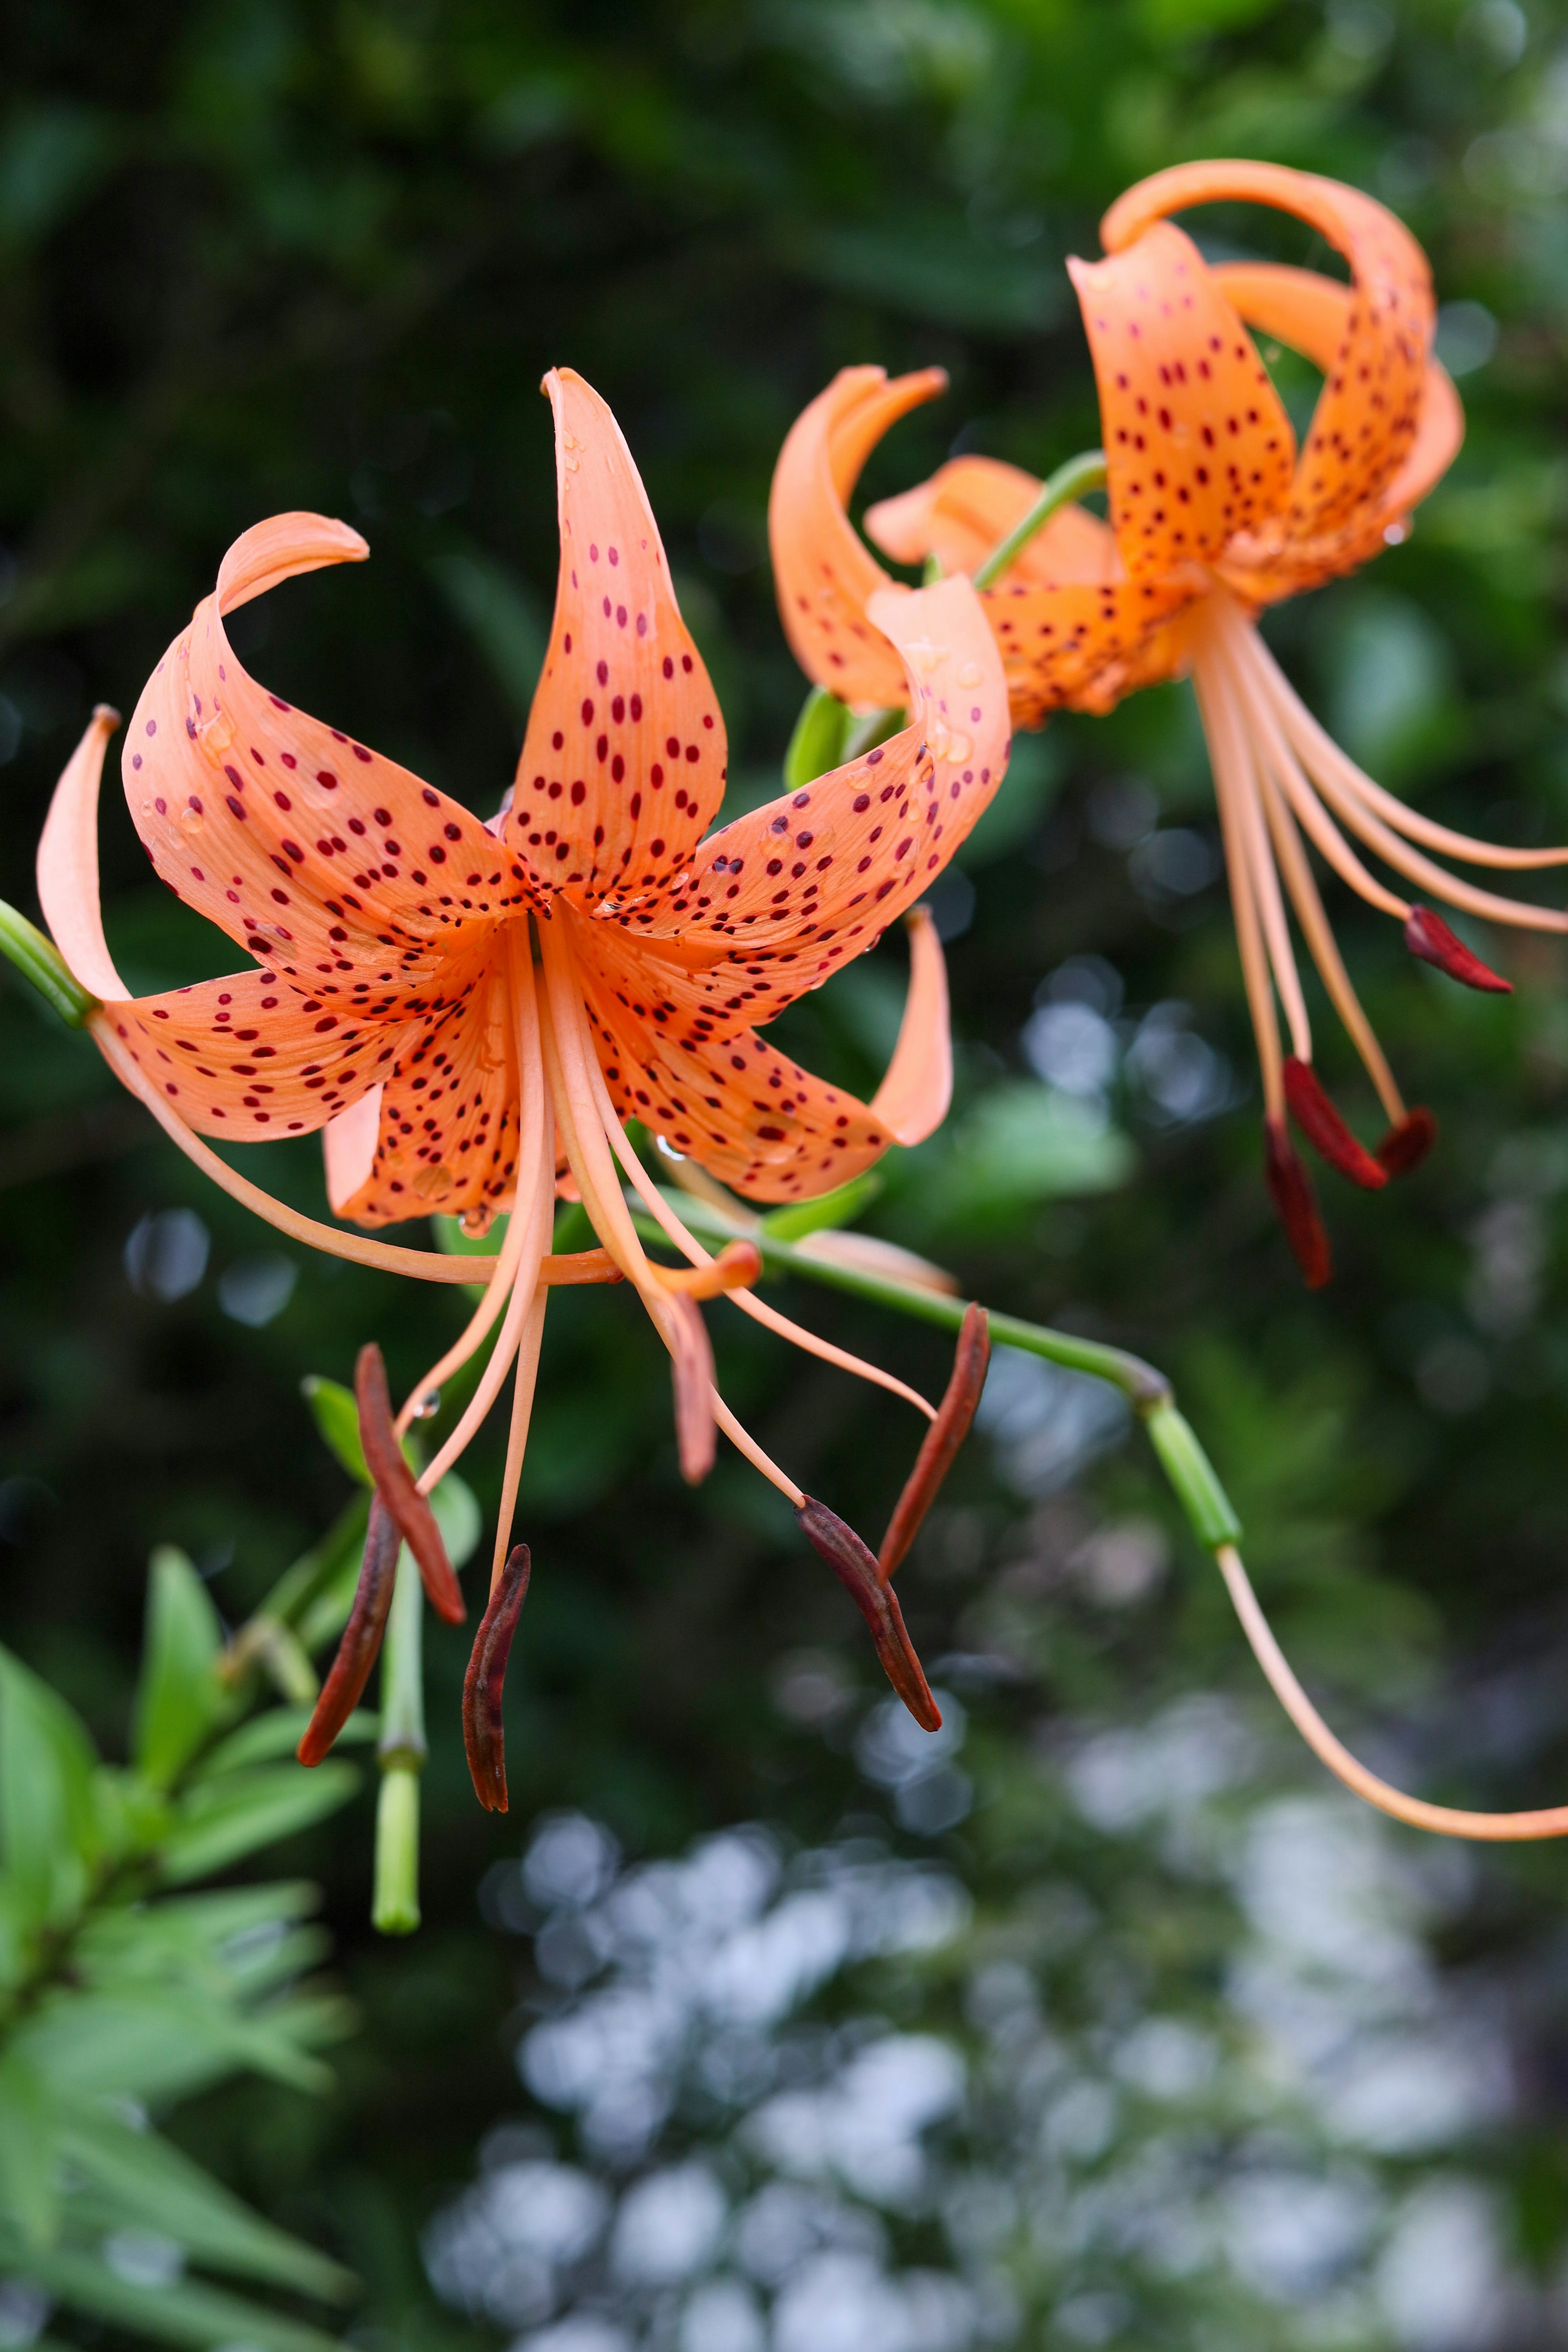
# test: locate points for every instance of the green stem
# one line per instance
(400, 1753)
(38, 960)
(1192, 1478)
(1085, 472)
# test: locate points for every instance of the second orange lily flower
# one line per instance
(1214, 515)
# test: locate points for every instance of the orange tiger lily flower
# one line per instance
(469, 1012)
(1214, 515)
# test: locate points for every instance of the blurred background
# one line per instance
(762, 2020)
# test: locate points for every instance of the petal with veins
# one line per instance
(447, 1134)
(1197, 445)
(67, 863)
(321, 858)
(824, 574)
(239, 1058)
(624, 760)
(771, 904)
(1369, 411)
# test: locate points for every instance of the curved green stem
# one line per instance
(400, 1753)
(38, 960)
(1192, 1478)
(1085, 472)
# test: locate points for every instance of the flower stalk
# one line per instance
(400, 1752)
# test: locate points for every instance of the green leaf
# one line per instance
(839, 1207)
(1023, 1143)
(278, 1733)
(336, 1416)
(29, 2150)
(818, 743)
(179, 1695)
(222, 1820)
(502, 615)
(156, 2186)
(179, 2313)
(298, 1585)
(458, 1516)
(50, 1820)
(155, 2043)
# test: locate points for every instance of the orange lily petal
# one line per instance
(1197, 445)
(1369, 411)
(446, 1128)
(239, 1058)
(738, 1107)
(770, 905)
(318, 856)
(912, 1100)
(1311, 313)
(623, 764)
(67, 863)
(824, 574)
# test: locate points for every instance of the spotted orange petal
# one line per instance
(771, 904)
(823, 574)
(323, 858)
(1369, 413)
(1311, 313)
(239, 1057)
(624, 763)
(445, 1132)
(738, 1107)
(67, 863)
(1197, 444)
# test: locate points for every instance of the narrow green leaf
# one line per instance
(278, 1732)
(179, 1695)
(48, 1817)
(180, 2313)
(818, 743)
(30, 2125)
(839, 1207)
(458, 1516)
(502, 615)
(155, 2186)
(222, 1820)
(336, 1416)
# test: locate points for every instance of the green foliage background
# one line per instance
(255, 257)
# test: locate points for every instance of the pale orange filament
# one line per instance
(1550, 1823)
(1305, 897)
(517, 1435)
(757, 1309)
(534, 1207)
(1231, 785)
(1357, 800)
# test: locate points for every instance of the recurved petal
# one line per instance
(68, 862)
(1369, 411)
(1197, 444)
(239, 1058)
(912, 1100)
(771, 904)
(823, 574)
(743, 1111)
(624, 763)
(442, 1133)
(1311, 313)
(970, 505)
(316, 854)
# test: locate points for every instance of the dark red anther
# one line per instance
(1325, 1130)
(857, 1571)
(482, 1685)
(942, 1439)
(394, 1485)
(1427, 936)
(1290, 1189)
(357, 1651)
(1406, 1144)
